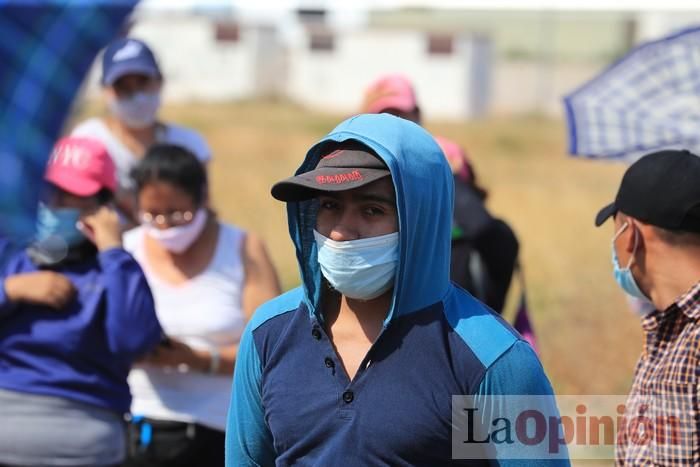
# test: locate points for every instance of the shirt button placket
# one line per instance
(348, 397)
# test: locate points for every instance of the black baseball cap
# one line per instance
(342, 169)
(661, 189)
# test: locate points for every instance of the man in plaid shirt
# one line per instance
(656, 257)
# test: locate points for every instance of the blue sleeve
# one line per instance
(6, 270)
(248, 438)
(6, 250)
(131, 325)
(6, 306)
(518, 372)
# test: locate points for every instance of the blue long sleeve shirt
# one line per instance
(84, 351)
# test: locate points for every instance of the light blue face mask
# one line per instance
(58, 224)
(360, 269)
(623, 276)
(137, 111)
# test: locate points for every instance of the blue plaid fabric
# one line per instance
(648, 100)
(46, 48)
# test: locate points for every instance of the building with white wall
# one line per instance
(330, 70)
(465, 63)
(204, 57)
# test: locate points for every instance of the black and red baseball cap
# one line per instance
(661, 189)
(342, 169)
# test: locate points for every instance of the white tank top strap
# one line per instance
(133, 241)
(228, 255)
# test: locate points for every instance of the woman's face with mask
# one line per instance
(134, 99)
(171, 216)
(59, 213)
(163, 205)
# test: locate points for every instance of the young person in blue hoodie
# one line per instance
(75, 312)
(358, 366)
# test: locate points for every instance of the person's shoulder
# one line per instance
(13, 258)
(485, 333)
(237, 241)
(276, 308)
(190, 139)
(132, 238)
(250, 245)
(94, 127)
(518, 371)
(254, 244)
(233, 231)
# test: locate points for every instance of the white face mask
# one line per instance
(180, 238)
(360, 269)
(138, 110)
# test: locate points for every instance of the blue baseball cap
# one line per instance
(127, 56)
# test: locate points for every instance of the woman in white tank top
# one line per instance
(207, 278)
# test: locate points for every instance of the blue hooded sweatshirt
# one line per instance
(292, 404)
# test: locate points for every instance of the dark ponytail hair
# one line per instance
(175, 165)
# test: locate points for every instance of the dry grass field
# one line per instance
(588, 338)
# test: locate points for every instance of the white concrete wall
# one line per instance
(521, 87)
(194, 64)
(336, 80)
(465, 84)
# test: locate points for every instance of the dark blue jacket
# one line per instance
(292, 403)
(83, 352)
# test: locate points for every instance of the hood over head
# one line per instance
(423, 185)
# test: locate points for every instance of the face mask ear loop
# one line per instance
(634, 248)
(636, 241)
(622, 229)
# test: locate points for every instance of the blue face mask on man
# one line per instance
(623, 276)
(360, 269)
(58, 224)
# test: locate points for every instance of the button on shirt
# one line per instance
(663, 406)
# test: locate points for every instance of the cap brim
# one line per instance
(126, 68)
(308, 185)
(605, 213)
(78, 188)
(383, 104)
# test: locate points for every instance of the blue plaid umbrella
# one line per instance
(650, 99)
(45, 51)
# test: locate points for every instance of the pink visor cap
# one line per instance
(389, 92)
(81, 166)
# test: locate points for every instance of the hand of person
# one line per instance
(175, 353)
(102, 228)
(40, 288)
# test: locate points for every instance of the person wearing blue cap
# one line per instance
(132, 82)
